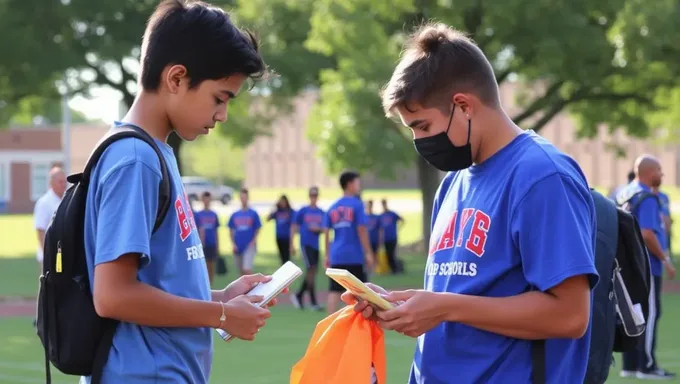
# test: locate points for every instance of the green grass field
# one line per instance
(279, 345)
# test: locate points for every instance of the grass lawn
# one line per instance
(279, 346)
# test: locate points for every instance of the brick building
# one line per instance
(27, 154)
(288, 159)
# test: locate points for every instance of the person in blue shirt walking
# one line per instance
(309, 222)
(513, 225)
(283, 215)
(244, 227)
(649, 210)
(388, 224)
(350, 248)
(193, 62)
(208, 223)
(374, 229)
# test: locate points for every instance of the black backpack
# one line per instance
(622, 262)
(75, 339)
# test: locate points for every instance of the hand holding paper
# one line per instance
(419, 312)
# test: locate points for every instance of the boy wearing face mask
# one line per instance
(513, 229)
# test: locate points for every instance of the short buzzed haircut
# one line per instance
(347, 177)
(438, 62)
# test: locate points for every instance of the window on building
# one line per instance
(4, 182)
(39, 181)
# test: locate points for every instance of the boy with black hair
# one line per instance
(193, 62)
(350, 248)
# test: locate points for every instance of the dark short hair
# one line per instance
(206, 194)
(313, 191)
(438, 62)
(200, 37)
(348, 177)
(631, 176)
(244, 190)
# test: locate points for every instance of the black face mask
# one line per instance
(439, 151)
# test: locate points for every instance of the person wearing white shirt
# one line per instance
(46, 206)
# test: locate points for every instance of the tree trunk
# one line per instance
(428, 178)
(175, 142)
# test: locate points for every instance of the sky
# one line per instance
(104, 104)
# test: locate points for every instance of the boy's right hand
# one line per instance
(243, 318)
(361, 305)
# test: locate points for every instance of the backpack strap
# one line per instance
(642, 196)
(538, 362)
(121, 132)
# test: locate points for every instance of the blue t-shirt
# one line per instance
(284, 218)
(244, 223)
(373, 226)
(388, 223)
(344, 217)
(209, 222)
(120, 213)
(307, 219)
(523, 218)
(650, 214)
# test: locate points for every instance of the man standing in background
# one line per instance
(647, 208)
(244, 226)
(208, 222)
(374, 230)
(350, 248)
(309, 221)
(45, 207)
(388, 224)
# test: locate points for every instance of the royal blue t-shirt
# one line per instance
(649, 214)
(344, 217)
(244, 223)
(120, 214)
(284, 218)
(388, 223)
(373, 226)
(209, 222)
(523, 218)
(307, 219)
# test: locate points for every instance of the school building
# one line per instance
(27, 154)
(288, 158)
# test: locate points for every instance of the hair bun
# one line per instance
(431, 38)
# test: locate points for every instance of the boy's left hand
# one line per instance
(418, 312)
(244, 284)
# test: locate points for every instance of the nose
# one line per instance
(221, 115)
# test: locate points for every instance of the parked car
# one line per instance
(195, 186)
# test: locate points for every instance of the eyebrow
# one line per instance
(228, 93)
(416, 123)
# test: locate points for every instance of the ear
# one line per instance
(466, 103)
(175, 76)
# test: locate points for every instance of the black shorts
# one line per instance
(210, 253)
(310, 256)
(355, 269)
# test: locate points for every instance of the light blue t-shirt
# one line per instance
(524, 218)
(120, 214)
(344, 217)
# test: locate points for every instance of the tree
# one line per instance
(593, 59)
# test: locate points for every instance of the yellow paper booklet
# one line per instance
(358, 289)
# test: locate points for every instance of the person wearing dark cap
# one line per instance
(309, 222)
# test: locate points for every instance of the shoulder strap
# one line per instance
(642, 196)
(121, 132)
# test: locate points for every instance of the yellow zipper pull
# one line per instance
(58, 266)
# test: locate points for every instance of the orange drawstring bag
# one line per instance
(345, 348)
